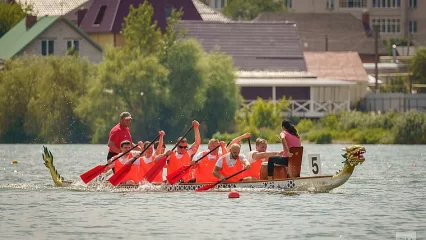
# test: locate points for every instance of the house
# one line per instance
(342, 66)
(396, 18)
(332, 32)
(271, 65)
(48, 35)
(104, 19)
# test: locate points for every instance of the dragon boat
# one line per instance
(353, 156)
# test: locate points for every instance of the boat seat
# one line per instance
(295, 161)
(280, 171)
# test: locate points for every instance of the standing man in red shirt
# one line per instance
(119, 133)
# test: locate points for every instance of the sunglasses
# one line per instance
(182, 146)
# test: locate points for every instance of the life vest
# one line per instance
(254, 171)
(134, 169)
(228, 171)
(144, 168)
(175, 163)
(204, 169)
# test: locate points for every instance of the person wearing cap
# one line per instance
(119, 133)
(183, 154)
(289, 138)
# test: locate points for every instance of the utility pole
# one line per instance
(376, 58)
(326, 42)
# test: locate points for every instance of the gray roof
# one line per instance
(345, 32)
(253, 46)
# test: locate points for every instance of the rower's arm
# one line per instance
(197, 136)
(262, 155)
(217, 174)
(237, 140)
(113, 147)
(159, 149)
(166, 154)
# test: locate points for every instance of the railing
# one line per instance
(398, 102)
(310, 108)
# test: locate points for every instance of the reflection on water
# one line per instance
(384, 196)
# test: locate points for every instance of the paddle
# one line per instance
(249, 143)
(182, 171)
(118, 176)
(207, 187)
(96, 171)
(159, 165)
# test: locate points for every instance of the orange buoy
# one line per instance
(234, 194)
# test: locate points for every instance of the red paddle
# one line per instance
(118, 176)
(159, 165)
(207, 187)
(96, 171)
(182, 171)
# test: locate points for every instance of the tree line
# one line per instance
(164, 80)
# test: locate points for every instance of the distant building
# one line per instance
(49, 35)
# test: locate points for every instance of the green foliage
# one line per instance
(222, 94)
(39, 95)
(304, 126)
(367, 128)
(411, 129)
(398, 41)
(250, 9)
(396, 84)
(11, 14)
(418, 68)
(320, 137)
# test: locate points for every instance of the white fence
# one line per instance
(311, 108)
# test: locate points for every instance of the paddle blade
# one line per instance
(118, 176)
(92, 173)
(175, 176)
(155, 170)
(206, 187)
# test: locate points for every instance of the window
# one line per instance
(47, 47)
(386, 3)
(353, 3)
(100, 15)
(330, 4)
(412, 3)
(168, 11)
(219, 3)
(288, 3)
(73, 44)
(387, 25)
(412, 26)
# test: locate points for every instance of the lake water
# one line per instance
(384, 198)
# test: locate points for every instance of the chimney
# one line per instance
(30, 20)
(80, 15)
(366, 20)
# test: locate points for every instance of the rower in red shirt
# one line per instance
(119, 133)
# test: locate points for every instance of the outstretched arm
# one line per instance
(196, 144)
(237, 140)
(159, 149)
(262, 155)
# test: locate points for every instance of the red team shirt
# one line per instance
(119, 134)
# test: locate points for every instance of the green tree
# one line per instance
(11, 14)
(418, 68)
(38, 95)
(250, 9)
(222, 94)
(124, 83)
(184, 93)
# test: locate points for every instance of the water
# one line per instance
(384, 196)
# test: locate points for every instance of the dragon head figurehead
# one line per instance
(354, 155)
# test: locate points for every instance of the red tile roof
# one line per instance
(336, 65)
